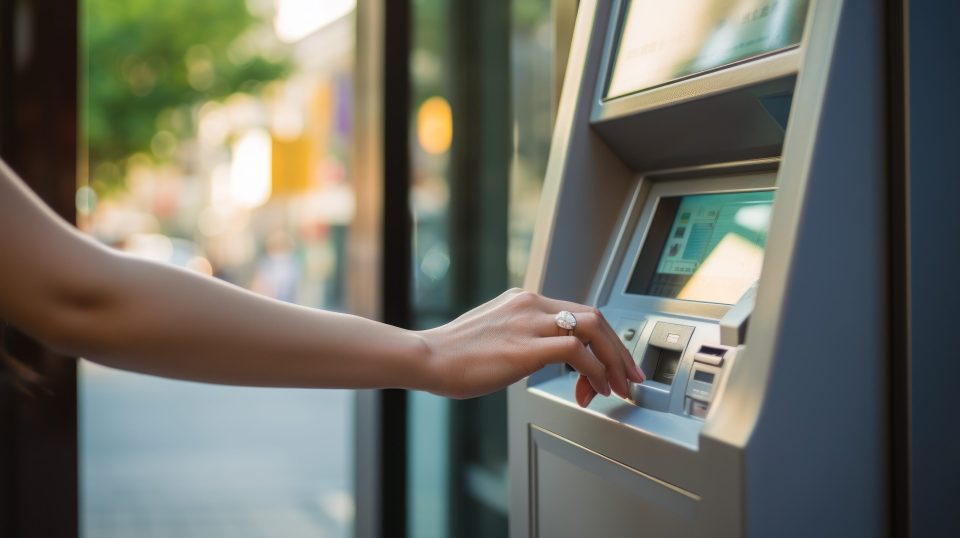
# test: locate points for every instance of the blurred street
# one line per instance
(162, 458)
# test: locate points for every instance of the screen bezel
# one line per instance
(613, 288)
(746, 72)
(653, 252)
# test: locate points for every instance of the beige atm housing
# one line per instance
(725, 211)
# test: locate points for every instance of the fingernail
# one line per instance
(606, 390)
(590, 399)
(624, 391)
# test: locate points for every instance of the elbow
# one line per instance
(74, 314)
(66, 330)
(62, 333)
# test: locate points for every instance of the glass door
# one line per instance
(218, 139)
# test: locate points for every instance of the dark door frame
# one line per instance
(381, 253)
(38, 138)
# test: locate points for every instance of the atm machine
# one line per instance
(716, 187)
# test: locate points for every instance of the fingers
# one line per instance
(593, 330)
(584, 391)
(605, 347)
(571, 350)
(633, 370)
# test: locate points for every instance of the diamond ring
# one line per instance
(566, 321)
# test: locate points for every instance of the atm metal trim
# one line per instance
(767, 164)
(539, 434)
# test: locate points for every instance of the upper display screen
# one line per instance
(665, 40)
(706, 247)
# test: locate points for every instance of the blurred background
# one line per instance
(383, 158)
(217, 138)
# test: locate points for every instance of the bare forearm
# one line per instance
(170, 322)
(84, 299)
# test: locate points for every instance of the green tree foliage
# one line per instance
(150, 62)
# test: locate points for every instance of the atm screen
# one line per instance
(664, 40)
(705, 247)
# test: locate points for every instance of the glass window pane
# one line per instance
(532, 71)
(432, 123)
(218, 138)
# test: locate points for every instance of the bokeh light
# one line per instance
(435, 125)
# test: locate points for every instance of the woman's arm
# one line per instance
(84, 299)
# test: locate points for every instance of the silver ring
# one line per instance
(566, 321)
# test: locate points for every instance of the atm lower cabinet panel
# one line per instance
(576, 492)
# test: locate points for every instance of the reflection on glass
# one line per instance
(432, 128)
(432, 124)
(663, 40)
(532, 73)
(435, 125)
(727, 272)
(713, 251)
(219, 138)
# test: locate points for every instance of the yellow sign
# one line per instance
(292, 165)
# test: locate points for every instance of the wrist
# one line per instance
(431, 377)
(421, 359)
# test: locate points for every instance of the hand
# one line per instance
(515, 335)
